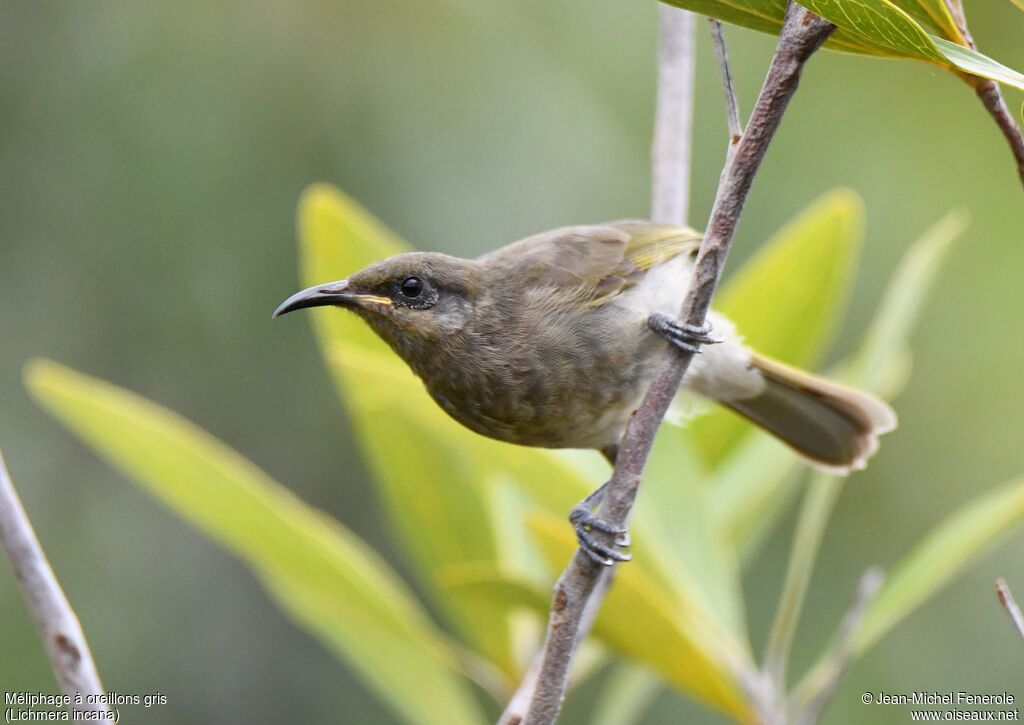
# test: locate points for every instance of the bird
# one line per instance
(553, 340)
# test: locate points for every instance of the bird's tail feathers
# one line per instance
(834, 427)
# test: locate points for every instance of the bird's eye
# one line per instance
(412, 287)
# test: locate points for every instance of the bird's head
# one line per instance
(413, 301)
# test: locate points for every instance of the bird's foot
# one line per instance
(585, 522)
(681, 334)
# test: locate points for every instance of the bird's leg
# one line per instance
(584, 521)
(682, 335)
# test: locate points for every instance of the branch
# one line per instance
(673, 117)
(515, 711)
(670, 197)
(732, 107)
(802, 34)
(989, 92)
(1006, 599)
(58, 626)
(992, 98)
(845, 649)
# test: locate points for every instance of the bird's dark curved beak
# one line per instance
(334, 294)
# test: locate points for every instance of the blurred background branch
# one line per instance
(672, 146)
(58, 626)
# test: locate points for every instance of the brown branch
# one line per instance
(989, 92)
(58, 626)
(802, 34)
(515, 711)
(1010, 605)
(992, 98)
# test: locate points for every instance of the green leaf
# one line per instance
(947, 549)
(751, 489)
(879, 23)
(754, 484)
(766, 16)
(626, 696)
(884, 355)
(502, 589)
(932, 564)
(888, 28)
(975, 63)
(882, 364)
(933, 15)
(788, 299)
(432, 474)
(328, 580)
(675, 514)
(763, 15)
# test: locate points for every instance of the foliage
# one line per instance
(923, 30)
(318, 571)
(482, 523)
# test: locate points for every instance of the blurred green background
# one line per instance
(151, 157)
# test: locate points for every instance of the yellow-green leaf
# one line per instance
(763, 15)
(948, 548)
(693, 551)
(882, 363)
(919, 575)
(933, 15)
(975, 63)
(626, 696)
(789, 298)
(888, 28)
(753, 486)
(879, 23)
(766, 16)
(751, 489)
(321, 574)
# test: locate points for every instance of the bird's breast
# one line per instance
(555, 380)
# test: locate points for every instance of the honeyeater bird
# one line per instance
(553, 340)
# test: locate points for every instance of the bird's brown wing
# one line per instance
(595, 262)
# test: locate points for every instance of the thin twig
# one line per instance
(845, 649)
(673, 116)
(732, 106)
(802, 34)
(990, 94)
(992, 98)
(58, 626)
(1007, 600)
